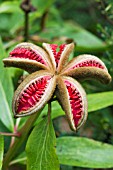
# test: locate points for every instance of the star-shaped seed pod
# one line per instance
(51, 74)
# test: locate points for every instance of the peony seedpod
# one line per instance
(51, 74)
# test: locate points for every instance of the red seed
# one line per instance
(56, 54)
(27, 54)
(32, 95)
(88, 63)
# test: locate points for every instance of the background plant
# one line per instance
(89, 25)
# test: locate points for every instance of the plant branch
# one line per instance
(24, 131)
(27, 7)
(26, 29)
(43, 21)
(17, 134)
(15, 131)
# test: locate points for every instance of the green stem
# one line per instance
(43, 20)
(24, 131)
(26, 29)
(49, 111)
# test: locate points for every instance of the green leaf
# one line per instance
(5, 114)
(85, 41)
(1, 150)
(6, 92)
(21, 159)
(40, 148)
(7, 86)
(5, 77)
(79, 151)
(83, 152)
(42, 5)
(9, 7)
(98, 101)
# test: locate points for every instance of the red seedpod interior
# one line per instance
(32, 94)
(75, 102)
(25, 53)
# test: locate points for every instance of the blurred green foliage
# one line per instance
(88, 23)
